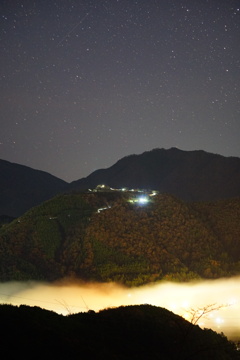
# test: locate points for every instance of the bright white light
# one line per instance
(219, 320)
(186, 304)
(143, 200)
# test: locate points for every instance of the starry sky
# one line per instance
(85, 83)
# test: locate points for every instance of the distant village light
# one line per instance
(142, 200)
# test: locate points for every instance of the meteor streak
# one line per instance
(73, 28)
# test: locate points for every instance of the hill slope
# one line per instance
(106, 236)
(189, 175)
(22, 188)
(134, 332)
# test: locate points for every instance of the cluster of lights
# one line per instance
(141, 200)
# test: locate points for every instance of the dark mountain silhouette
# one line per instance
(137, 332)
(22, 187)
(189, 175)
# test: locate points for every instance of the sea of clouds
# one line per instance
(185, 299)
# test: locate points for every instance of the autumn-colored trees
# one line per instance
(124, 241)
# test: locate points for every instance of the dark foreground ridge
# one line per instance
(133, 332)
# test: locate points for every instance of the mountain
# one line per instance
(22, 187)
(189, 175)
(134, 332)
(116, 236)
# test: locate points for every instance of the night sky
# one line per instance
(84, 83)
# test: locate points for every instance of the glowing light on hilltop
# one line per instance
(154, 193)
(143, 200)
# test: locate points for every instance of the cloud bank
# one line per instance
(66, 297)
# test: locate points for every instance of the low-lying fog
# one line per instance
(71, 297)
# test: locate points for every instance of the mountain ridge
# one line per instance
(22, 187)
(190, 175)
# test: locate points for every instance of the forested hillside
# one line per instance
(108, 236)
(224, 218)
